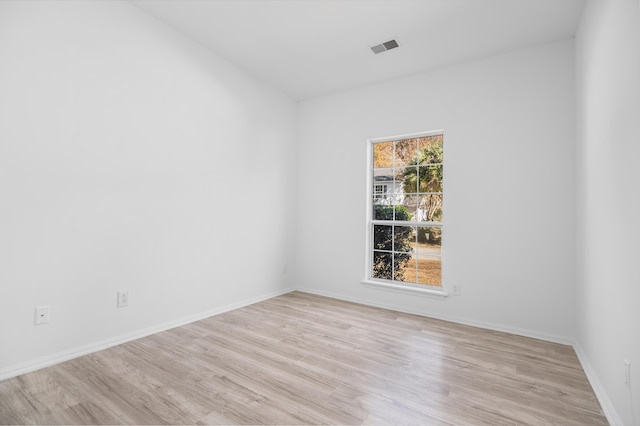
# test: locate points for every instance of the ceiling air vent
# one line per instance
(383, 47)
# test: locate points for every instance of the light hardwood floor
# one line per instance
(306, 359)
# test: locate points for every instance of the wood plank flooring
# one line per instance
(306, 359)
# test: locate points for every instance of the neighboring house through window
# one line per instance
(404, 240)
(379, 192)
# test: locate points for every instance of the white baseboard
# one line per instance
(58, 357)
(607, 406)
(459, 320)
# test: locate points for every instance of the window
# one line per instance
(379, 192)
(404, 226)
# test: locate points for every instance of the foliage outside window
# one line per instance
(406, 223)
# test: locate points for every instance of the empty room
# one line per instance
(320, 212)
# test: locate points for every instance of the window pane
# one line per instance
(382, 237)
(406, 151)
(403, 238)
(383, 175)
(382, 211)
(429, 254)
(404, 267)
(382, 265)
(429, 208)
(407, 179)
(380, 192)
(430, 178)
(430, 149)
(430, 271)
(430, 237)
(406, 207)
(383, 154)
(378, 206)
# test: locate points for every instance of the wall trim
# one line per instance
(58, 357)
(62, 356)
(605, 402)
(459, 320)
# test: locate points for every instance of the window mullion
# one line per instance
(404, 223)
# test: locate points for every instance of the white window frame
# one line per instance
(384, 284)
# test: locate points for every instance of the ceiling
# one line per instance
(309, 48)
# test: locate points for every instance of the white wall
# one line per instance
(509, 236)
(131, 158)
(608, 201)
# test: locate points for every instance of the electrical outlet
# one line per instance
(627, 373)
(284, 268)
(123, 299)
(456, 290)
(42, 315)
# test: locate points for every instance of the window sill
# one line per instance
(397, 288)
